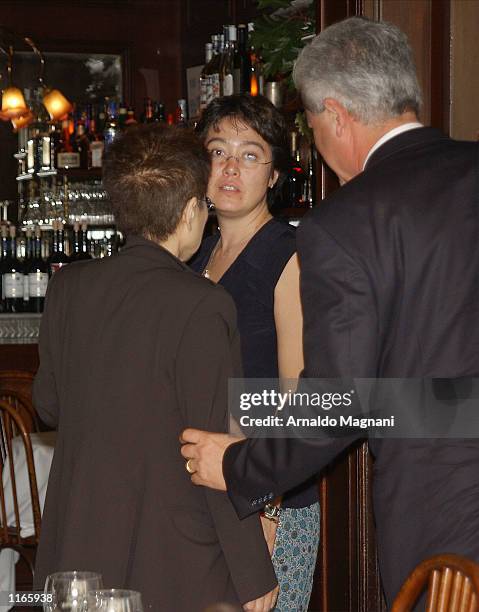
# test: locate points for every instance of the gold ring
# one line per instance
(188, 467)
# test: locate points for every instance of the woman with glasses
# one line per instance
(254, 257)
(132, 349)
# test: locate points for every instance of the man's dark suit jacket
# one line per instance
(133, 349)
(390, 288)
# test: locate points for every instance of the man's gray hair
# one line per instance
(365, 65)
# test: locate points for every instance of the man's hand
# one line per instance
(263, 604)
(269, 529)
(204, 454)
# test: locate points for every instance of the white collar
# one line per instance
(405, 127)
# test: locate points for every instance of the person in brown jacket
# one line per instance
(133, 349)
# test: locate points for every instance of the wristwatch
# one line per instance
(272, 512)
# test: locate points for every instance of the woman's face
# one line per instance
(241, 169)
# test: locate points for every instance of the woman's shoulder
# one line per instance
(273, 245)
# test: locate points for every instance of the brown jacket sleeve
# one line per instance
(209, 353)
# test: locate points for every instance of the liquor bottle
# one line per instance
(147, 115)
(297, 176)
(37, 271)
(57, 259)
(111, 124)
(38, 145)
(80, 245)
(122, 116)
(130, 117)
(12, 277)
(101, 119)
(26, 263)
(96, 145)
(256, 79)
(311, 179)
(242, 62)
(226, 64)
(159, 112)
(82, 145)
(205, 80)
(181, 115)
(3, 262)
(214, 69)
(66, 156)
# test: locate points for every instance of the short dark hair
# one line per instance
(258, 113)
(150, 172)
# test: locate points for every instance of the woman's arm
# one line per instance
(288, 317)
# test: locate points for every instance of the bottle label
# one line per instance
(54, 267)
(13, 284)
(37, 284)
(205, 91)
(215, 86)
(96, 150)
(228, 86)
(68, 160)
(46, 152)
(30, 156)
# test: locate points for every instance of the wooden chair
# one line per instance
(16, 389)
(453, 585)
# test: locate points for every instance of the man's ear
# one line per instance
(339, 114)
(189, 212)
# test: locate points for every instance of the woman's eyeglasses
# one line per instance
(246, 160)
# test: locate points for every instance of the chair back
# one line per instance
(18, 469)
(16, 389)
(453, 585)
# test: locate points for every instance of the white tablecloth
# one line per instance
(43, 444)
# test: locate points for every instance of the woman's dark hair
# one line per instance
(258, 113)
(150, 173)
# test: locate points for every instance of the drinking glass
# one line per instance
(67, 591)
(114, 600)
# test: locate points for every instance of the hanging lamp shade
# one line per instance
(56, 104)
(23, 121)
(13, 103)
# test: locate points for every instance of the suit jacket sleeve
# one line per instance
(340, 332)
(208, 355)
(45, 396)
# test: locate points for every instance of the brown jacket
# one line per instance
(133, 349)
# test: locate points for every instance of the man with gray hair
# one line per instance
(389, 284)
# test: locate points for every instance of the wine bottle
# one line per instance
(37, 271)
(226, 64)
(242, 63)
(12, 277)
(80, 244)
(57, 259)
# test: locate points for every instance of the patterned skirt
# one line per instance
(294, 557)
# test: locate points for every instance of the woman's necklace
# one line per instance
(206, 272)
(242, 243)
